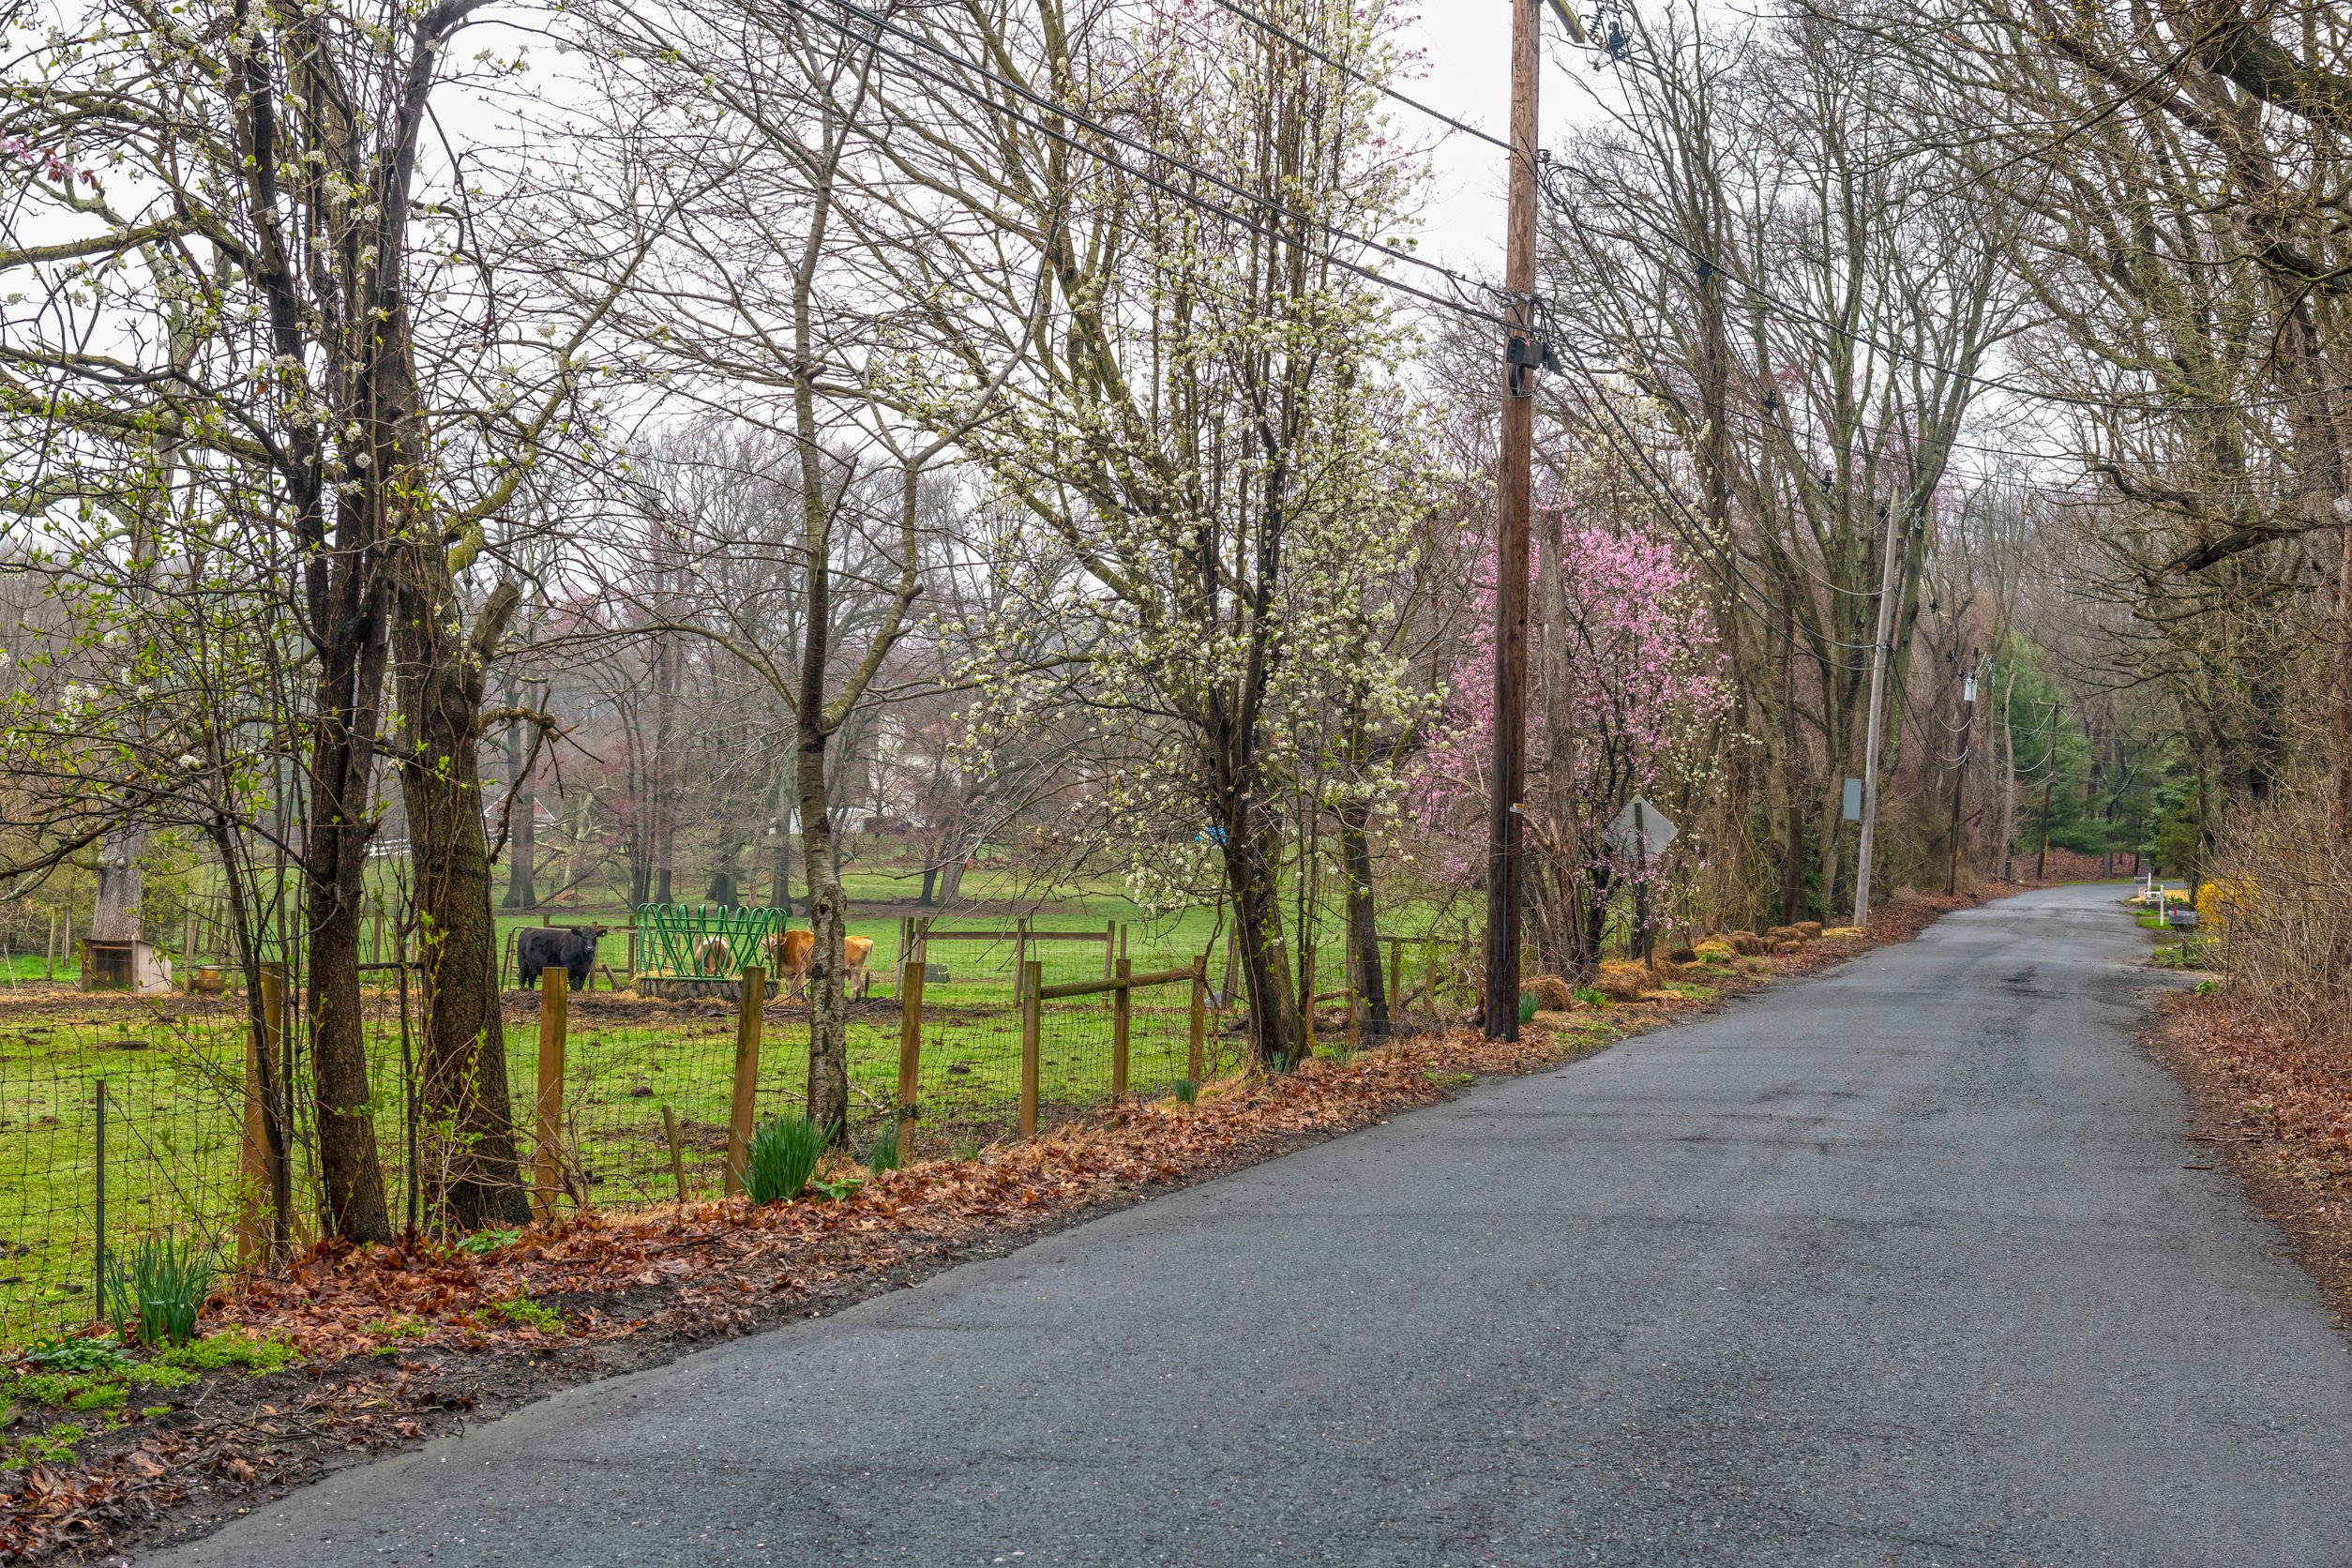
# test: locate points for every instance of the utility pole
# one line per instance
(1960, 773)
(1507, 781)
(2042, 862)
(1880, 656)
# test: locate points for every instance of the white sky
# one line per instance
(1466, 72)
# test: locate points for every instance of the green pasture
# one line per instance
(174, 1105)
(174, 1069)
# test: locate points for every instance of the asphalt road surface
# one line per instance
(1899, 1265)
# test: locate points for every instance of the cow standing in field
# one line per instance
(790, 953)
(570, 948)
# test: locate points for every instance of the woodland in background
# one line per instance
(1003, 430)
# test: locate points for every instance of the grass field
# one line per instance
(174, 1069)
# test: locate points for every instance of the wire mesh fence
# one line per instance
(648, 1087)
(124, 1127)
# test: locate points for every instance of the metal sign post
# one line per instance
(1640, 831)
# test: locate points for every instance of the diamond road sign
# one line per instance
(1640, 830)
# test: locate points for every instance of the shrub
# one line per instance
(162, 1289)
(885, 1153)
(1187, 1092)
(783, 1155)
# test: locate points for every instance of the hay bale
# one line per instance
(1747, 943)
(1622, 982)
(1682, 956)
(1809, 930)
(1714, 950)
(1784, 935)
(1837, 933)
(1551, 993)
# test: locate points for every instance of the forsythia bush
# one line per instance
(2219, 900)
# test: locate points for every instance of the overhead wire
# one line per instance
(1692, 530)
(1352, 74)
(1793, 313)
(881, 24)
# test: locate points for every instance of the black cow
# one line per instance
(570, 948)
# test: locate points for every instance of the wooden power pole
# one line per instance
(1505, 826)
(1960, 771)
(1881, 655)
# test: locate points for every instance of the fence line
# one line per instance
(633, 1102)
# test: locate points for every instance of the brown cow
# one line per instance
(791, 952)
(711, 956)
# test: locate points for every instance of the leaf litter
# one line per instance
(402, 1343)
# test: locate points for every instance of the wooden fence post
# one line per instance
(632, 958)
(1395, 975)
(910, 1034)
(547, 1161)
(49, 971)
(1196, 1060)
(1028, 984)
(755, 996)
(1122, 1002)
(1021, 957)
(1110, 936)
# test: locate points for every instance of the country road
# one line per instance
(1899, 1265)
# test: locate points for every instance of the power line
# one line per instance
(1693, 532)
(1355, 75)
(881, 23)
(1792, 312)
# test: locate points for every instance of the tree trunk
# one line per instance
(1275, 1037)
(665, 801)
(1364, 931)
(462, 1089)
(116, 916)
(828, 1006)
(351, 647)
(1558, 847)
(269, 1068)
(2009, 785)
(1792, 858)
(522, 835)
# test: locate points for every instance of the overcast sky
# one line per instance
(1467, 73)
